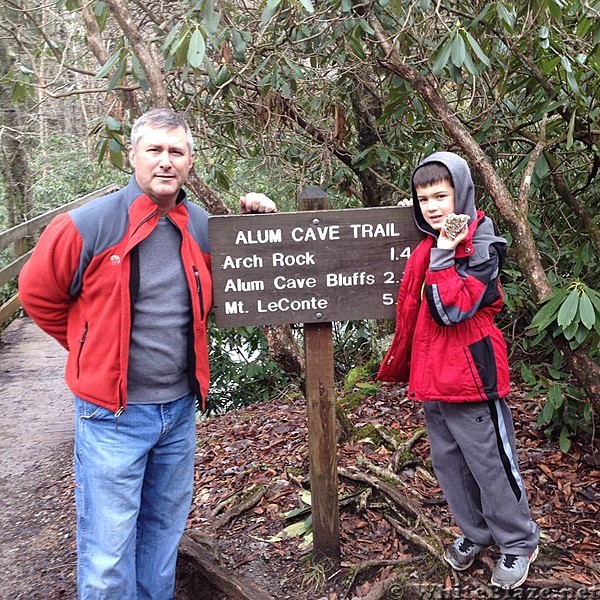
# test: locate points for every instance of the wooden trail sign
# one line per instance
(309, 266)
(312, 267)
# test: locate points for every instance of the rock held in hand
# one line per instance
(455, 224)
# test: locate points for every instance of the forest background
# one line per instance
(349, 96)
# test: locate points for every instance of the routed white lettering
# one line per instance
(350, 280)
(368, 230)
(243, 262)
(261, 236)
(312, 234)
(285, 304)
(283, 283)
(239, 285)
(290, 260)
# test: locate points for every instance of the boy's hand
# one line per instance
(256, 203)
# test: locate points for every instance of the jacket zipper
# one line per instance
(81, 343)
(199, 291)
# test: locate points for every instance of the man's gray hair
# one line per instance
(161, 118)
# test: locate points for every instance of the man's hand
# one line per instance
(256, 203)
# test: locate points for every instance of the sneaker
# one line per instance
(461, 554)
(511, 571)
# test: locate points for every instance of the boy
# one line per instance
(448, 348)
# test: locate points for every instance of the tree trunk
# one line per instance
(144, 52)
(93, 36)
(367, 110)
(13, 154)
(585, 219)
(283, 349)
(515, 216)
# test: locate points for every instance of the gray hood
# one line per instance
(464, 190)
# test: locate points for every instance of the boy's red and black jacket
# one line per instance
(80, 282)
(446, 344)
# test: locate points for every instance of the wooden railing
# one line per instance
(17, 235)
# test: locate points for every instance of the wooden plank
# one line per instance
(309, 266)
(14, 268)
(33, 225)
(8, 309)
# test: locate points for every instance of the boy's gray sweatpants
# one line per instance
(475, 460)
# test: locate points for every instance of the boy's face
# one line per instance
(436, 202)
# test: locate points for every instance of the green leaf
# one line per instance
(564, 441)
(366, 27)
(108, 65)
(527, 374)
(555, 395)
(442, 58)
(506, 15)
(481, 55)
(138, 73)
(114, 145)
(308, 6)
(269, 11)
(19, 92)
(587, 314)
(294, 530)
(572, 82)
(172, 35)
(568, 310)
(547, 414)
(547, 313)
(99, 7)
(356, 45)
(196, 49)
(112, 124)
(118, 75)
(239, 44)
(458, 50)
(556, 10)
(541, 169)
(571, 130)
(570, 331)
(211, 17)
(469, 65)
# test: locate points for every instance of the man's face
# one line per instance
(436, 202)
(161, 162)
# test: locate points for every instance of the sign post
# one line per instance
(313, 267)
(320, 399)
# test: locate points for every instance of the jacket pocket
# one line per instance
(482, 361)
(199, 292)
(81, 344)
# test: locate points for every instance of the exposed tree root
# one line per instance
(195, 558)
(367, 565)
(241, 507)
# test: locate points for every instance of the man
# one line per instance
(124, 284)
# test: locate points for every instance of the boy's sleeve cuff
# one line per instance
(441, 258)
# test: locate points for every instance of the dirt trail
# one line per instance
(37, 545)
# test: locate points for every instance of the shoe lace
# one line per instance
(465, 545)
(509, 561)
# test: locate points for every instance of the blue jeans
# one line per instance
(134, 478)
